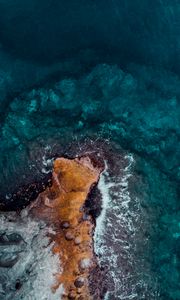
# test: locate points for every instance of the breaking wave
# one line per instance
(118, 237)
(29, 265)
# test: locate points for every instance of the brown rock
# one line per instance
(72, 180)
(79, 282)
(84, 263)
(65, 225)
(77, 240)
(72, 296)
(69, 236)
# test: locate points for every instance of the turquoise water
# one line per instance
(98, 70)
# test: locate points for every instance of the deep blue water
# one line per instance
(99, 69)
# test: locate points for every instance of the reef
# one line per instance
(128, 107)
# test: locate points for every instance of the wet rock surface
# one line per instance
(72, 180)
(126, 235)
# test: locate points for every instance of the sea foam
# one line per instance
(36, 266)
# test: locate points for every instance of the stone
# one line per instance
(79, 282)
(77, 240)
(13, 238)
(65, 225)
(69, 236)
(18, 284)
(85, 263)
(72, 295)
(8, 260)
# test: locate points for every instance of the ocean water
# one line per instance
(73, 72)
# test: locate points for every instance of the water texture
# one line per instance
(72, 71)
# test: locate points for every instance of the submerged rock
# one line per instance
(8, 260)
(129, 107)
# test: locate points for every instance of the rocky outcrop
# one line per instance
(62, 206)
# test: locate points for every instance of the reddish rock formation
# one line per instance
(62, 207)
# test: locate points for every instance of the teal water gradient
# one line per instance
(100, 69)
(107, 103)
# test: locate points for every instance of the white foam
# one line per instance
(37, 265)
(104, 185)
(47, 162)
(117, 215)
(104, 189)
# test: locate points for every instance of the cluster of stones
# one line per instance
(62, 207)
